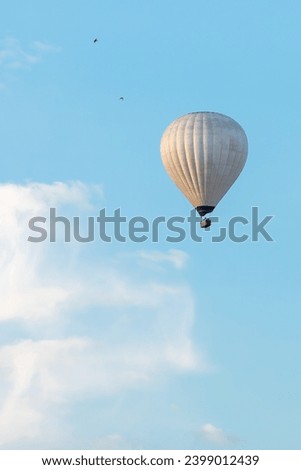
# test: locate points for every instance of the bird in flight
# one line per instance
(95, 40)
(121, 98)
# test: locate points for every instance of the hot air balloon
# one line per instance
(204, 153)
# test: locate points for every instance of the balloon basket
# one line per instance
(205, 223)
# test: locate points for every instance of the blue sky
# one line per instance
(152, 345)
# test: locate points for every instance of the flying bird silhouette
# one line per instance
(121, 98)
(95, 40)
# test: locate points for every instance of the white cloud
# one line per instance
(13, 55)
(113, 442)
(44, 47)
(24, 288)
(216, 435)
(16, 56)
(124, 330)
(176, 258)
(32, 375)
(41, 378)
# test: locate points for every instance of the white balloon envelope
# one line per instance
(204, 153)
